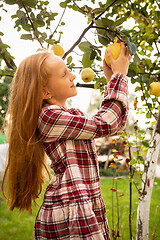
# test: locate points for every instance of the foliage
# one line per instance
(35, 20)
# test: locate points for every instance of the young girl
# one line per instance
(73, 207)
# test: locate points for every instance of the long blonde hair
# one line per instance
(24, 175)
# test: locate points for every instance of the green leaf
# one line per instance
(103, 39)
(4, 46)
(98, 10)
(133, 161)
(136, 59)
(27, 36)
(26, 27)
(131, 46)
(50, 41)
(29, 3)
(144, 79)
(63, 4)
(145, 143)
(11, 2)
(20, 14)
(24, 20)
(69, 60)
(131, 73)
(1, 33)
(120, 21)
(86, 62)
(83, 46)
(93, 55)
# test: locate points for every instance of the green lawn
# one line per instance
(14, 227)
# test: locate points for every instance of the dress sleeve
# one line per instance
(59, 124)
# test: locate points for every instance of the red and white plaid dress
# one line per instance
(73, 207)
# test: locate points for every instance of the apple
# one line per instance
(87, 75)
(58, 50)
(115, 49)
(154, 89)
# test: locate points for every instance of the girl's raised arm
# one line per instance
(56, 123)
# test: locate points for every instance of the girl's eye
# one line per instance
(64, 74)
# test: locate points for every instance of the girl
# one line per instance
(39, 121)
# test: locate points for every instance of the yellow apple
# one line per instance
(58, 50)
(154, 89)
(87, 75)
(115, 49)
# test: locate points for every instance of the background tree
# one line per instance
(107, 22)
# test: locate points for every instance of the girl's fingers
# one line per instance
(123, 50)
(128, 53)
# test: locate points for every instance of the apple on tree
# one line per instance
(154, 89)
(87, 75)
(58, 50)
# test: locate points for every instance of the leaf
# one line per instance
(26, 36)
(132, 162)
(131, 73)
(3, 45)
(145, 143)
(69, 60)
(26, 27)
(120, 21)
(103, 39)
(24, 20)
(131, 46)
(144, 79)
(86, 62)
(63, 4)
(98, 10)
(136, 59)
(93, 55)
(83, 46)
(50, 41)
(20, 14)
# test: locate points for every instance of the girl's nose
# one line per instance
(73, 77)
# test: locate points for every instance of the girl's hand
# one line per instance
(121, 64)
(107, 71)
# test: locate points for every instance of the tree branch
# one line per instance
(8, 60)
(79, 7)
(86, 30)
(156, 47)
(152, 114)
(50, 37)
(110, 5)
(32, 25)
(79, 39)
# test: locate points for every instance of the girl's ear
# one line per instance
(46, 94)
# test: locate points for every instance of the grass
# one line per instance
(15, 227)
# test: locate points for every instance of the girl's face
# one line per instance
(60, 84)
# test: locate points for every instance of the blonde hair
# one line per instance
(24, 175)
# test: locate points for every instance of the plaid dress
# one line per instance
(73, 207)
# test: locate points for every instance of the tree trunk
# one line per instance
(147, 185)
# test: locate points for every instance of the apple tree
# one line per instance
(107, 22)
